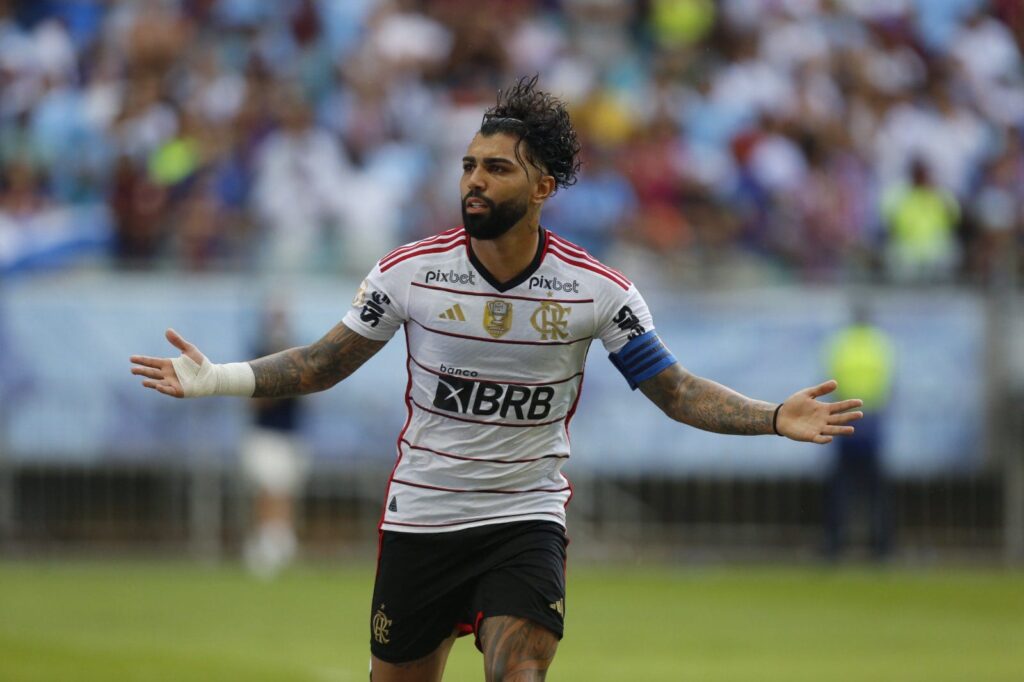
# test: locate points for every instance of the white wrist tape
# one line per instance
(233, 378)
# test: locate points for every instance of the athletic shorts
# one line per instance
(430, 585)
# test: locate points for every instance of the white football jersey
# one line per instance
(495, 372)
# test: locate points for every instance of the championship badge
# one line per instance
(497, 318)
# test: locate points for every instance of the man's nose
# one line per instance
(476, 180)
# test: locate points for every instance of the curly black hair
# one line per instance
(541, 121)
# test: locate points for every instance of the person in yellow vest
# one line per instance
(861, 358)
(922, 221)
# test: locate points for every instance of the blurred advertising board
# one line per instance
(66, 393)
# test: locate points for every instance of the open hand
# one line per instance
(159, 372)
(805, 418)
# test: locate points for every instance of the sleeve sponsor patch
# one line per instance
(373, 308)
(627, 321)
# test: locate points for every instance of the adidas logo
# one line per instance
(558, 607)
(394, 503)
(453, 313)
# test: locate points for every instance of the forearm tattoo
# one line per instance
(312, 368)
(706, 404)
(516, 650)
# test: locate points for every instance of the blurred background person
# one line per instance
(860, 357)
(922, 220)
(274, 461)
(299, 159)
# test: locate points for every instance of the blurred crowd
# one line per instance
(794, 140)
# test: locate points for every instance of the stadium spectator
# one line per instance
(997, 215)
(922, 220)
(300, 159)
(861, 358)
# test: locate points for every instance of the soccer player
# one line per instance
(498, 316)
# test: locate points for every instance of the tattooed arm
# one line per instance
(707, 405)
(312, 368)
(295, 371)
(710, 406)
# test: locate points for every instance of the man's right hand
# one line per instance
(159, 372)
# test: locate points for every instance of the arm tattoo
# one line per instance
(516, 649)
(706, 404)
(312, 368)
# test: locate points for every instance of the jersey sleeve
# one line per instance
(379, 306)
(622, 316)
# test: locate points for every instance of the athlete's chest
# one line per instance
(546, 308)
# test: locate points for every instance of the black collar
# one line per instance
(542, 243)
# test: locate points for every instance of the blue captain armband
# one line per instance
(642, 358)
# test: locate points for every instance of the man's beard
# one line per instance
(498, 219)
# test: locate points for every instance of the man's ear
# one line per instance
(544, 188)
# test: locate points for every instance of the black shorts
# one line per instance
(430, 585)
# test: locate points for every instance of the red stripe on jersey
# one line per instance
(437, 239)
(493, 491)
(487, 340)
(482, 459)
(575, 402)
(513, 383)
(580, 252)
(572, 251)
(421, 252)
(398, 444)
(476, 520)
(503, 295)
(568, 418)
(587, 266)
(448, 415)
(443, 236)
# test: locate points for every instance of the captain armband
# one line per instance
(642, 358)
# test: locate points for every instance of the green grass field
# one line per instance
(176, 621)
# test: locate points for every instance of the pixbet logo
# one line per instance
(484, 398)
(450, 277)
(554, 284)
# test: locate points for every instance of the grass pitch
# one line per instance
(131, 621)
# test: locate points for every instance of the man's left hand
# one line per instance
(805, 418)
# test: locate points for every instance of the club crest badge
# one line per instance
(550, 320)
(497, 318)
(381, 626)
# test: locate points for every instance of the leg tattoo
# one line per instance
(516, 649)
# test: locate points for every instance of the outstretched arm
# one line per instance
(296, 371)
(313, 368)
(707, 405)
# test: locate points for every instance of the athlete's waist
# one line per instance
(553, 518)
(423, 468)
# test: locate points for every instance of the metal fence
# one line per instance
(205, 512)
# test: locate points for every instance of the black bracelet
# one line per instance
(775, 420)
